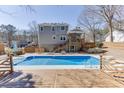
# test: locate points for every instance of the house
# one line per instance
(118, 36)
(52, 34)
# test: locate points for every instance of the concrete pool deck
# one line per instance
(66, 78)
(116, 53)
(74, 78)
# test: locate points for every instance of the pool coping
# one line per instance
(57, 54)
(56, 67)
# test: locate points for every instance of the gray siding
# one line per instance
(46, 39)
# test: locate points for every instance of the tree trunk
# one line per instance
(9, 39)
(94, 38)
(111, 31)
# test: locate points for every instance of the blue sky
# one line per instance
(20, 17)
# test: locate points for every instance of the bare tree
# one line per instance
(119, 25)
(108, 13)
(90, 23)
(5, 12)
(34, 29)
(24, 34)
(28, 8)
(10, 29)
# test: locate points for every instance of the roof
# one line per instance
(118, 36)
(55, 24)
(76, 30)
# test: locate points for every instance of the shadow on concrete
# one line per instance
(17, 80)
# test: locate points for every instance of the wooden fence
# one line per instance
(29, 49)
(2, 48)
(114, 45)
(89, 45)
(33, 50)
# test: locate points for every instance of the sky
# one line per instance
(20, 16)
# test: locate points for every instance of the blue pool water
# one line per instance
(56, 60)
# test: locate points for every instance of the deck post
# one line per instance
(101, 66)
(11, 63)
(101, 62)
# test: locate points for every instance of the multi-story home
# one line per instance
(52, 34)
(75, 42)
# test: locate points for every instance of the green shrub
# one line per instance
(19, 53)
(99, 44)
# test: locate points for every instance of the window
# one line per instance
(47, 28)
(66, 28)
(54, 37)
(53, 29)
(41, 28)
(62, 38)
(62, 27)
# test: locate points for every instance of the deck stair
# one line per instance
(6, 65)
(116, 72)
(59, 48)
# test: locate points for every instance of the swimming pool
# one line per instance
(57, 62)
